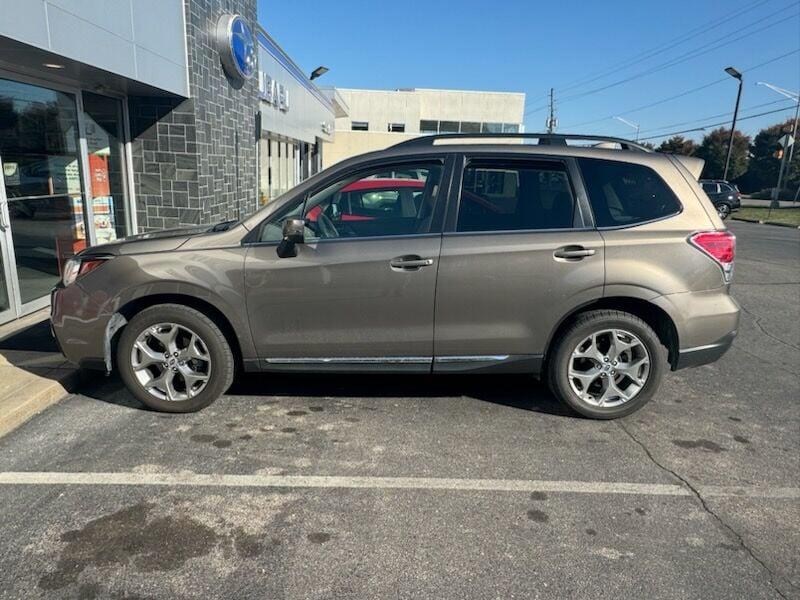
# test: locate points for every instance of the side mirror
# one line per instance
(293, 234)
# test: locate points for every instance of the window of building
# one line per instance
(492, 128)
(429, 126)
(360, 126)
(369, 205)
(624, 194)
(470, 127)
(510, 128)
(397, 127)
(514, 195)
(448, 126)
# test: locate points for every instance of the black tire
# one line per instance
(592, 322)
(221, 358)
(724, 210)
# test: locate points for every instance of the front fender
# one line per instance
(212, 277)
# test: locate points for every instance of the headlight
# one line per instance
(79, 265)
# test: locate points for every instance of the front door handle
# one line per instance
(410, 262)
(573, 252)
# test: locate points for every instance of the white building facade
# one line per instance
(377, 119)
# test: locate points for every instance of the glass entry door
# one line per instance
(42, 191)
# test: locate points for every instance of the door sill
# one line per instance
(504, 363)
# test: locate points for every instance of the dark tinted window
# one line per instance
(625, 194)
(428, 126)
(710, 188)
(448, 126)
(515, 195)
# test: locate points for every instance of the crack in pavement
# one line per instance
(731, 531)
(764, 360)
(757, 322)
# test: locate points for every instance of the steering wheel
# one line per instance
(326, 227)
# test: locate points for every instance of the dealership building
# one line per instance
(128, 116)
(377, 119)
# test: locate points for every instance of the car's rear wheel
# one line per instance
(607, 364)
(173, 358)
(724, 210)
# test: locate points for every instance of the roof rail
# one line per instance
(544, 139)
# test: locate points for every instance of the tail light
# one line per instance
(720, 246)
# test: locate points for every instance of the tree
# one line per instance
(678, 144)
(763, 169)
(714, 148)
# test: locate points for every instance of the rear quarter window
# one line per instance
(623, 194)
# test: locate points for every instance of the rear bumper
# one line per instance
(703, 355)
(706, 323)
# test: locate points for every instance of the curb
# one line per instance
(40, 392)
(776, 224)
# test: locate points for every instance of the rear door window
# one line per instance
(513, 195)
(623, 194)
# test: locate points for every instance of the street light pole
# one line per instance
(629, 124)
(787, 160)
(736, 75)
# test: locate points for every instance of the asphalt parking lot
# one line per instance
(412, 487)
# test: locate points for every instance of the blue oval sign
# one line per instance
(237, 47)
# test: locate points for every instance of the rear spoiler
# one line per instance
(693, 164)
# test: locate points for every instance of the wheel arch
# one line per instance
(136, 305)
(655, 316)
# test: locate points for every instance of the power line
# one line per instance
(708, 125)
(725, 114)
(699, 51)
(686, 92)
(642, 56)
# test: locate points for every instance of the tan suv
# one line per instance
(593, 263)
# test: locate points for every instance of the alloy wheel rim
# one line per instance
(723, 210)
(609, 368)
(171, 362)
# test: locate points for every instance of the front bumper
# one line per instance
(79, 322)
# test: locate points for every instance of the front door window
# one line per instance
(378, 203)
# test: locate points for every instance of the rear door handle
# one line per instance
(573, 252)
(411, 262)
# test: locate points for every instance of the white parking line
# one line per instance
(403, 483)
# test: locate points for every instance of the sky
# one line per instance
(603, 58)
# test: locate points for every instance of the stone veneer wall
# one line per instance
(194, 160)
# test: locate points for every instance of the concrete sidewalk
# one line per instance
(33, 374)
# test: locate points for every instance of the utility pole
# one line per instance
(552, 122)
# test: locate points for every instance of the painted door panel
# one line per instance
(504, 293)
(343, 298)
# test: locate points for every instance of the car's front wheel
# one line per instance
(173, 358)
(724, 210)
(607, 364)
